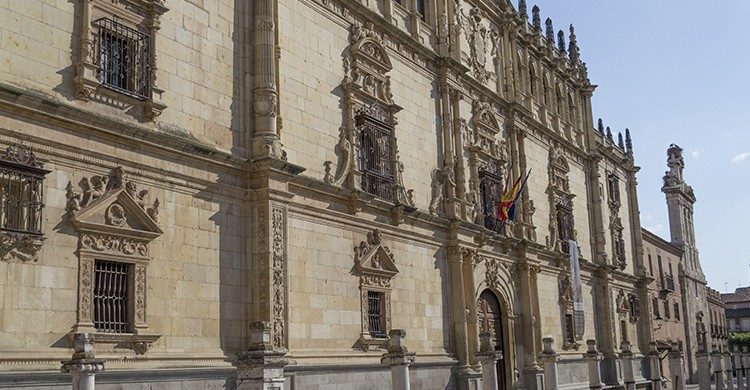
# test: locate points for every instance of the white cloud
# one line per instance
(696, 153)
(657, 229)
(740, 157)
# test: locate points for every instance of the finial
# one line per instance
(561, 41)
(628, 141)
(522, 9)
(609, 134)
(536, 19)
(600, 126)
(573, 51)
(620, 144)
(550, 31)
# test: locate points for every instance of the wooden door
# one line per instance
(490, 320)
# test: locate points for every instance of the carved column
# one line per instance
(83, 366)
(704, 370)
(488, 357)
(265, 141)
(718, 370)
(654, 365)
(261, 367)
(626, 359)
(458, 305)
(457, 145)
(728, 369)
(593, 358)
(675, 367)
(531, 368)
(398, 358)
(549, 357)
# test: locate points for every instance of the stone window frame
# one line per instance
(114, 224)
(375, 266)
(19, 163)
(366, 90)
(562, 215)
(140, 15)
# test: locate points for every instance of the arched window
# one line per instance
(545, 91)
(559, 102)
(572, 112)
(532, 80)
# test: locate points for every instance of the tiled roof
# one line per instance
(741, 294)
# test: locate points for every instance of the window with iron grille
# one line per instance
(677, 311)
(123, 57)
(655, 304)
(375, 318)
(111, 295)
(613, 188)
(666, 310)
(375, 156)
(490, 190)
(569, 328)
(21, 192)
(422, 9)
(564, 225)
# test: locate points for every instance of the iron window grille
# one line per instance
(123, 56)
(564, 215)
(490, 190)
(111, 296)
(655, 304)
(375, 156)
(422, 10)
(613, 187)
(375, 314)
(21, 191)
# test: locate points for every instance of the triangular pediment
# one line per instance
(116, 212)
(377, 261)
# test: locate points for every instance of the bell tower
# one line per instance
(680, 201)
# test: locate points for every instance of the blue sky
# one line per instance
(677, 71)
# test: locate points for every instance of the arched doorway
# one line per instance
(491, 320)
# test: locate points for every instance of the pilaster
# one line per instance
(261, 367)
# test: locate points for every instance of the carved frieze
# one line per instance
(278, 269)
(479, 34)
(114, 244)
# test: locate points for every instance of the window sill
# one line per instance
(140, 343)
(367, 342)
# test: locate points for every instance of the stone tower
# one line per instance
(680, 200)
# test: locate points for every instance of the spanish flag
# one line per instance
(506, 208)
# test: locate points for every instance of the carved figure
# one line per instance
(676, 164)
(438, 182)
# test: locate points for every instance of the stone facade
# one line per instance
(738, 309)
(717, 310)
(330, 169)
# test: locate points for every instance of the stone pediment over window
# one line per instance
(374, 262)
(117, 213)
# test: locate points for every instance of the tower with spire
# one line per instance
(680, 201)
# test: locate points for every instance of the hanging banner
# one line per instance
(575, 275)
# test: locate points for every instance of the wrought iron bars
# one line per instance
(375, 314)
(375, 161)
(111, 288)
(123, 57)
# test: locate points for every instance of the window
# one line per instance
(123, 58)
(532, 81)
(375, 314)
(559, 103)
(661, 269)
(623, 330)
(569, 328)
(421, 9)
(545, 91)
(21, 203)
(666, 309)
(613, 187)
(655, 304)
(116, 59)
(375, 156)
(564, 225)
(572, 114)
(677, 311)
(490, 189)
(111, 292)
(650, 266)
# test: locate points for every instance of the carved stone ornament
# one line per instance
(492, 273)
(375, 266)
(113, 224)
(479, 35)
(622, 303)
(278, 269)
(21, 204)
(486, 130)
(566, 292)
(368, 109)
(635, 308)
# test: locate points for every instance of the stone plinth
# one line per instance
(593, 359)
(398, 358)
(260, 367)
(83, 366)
